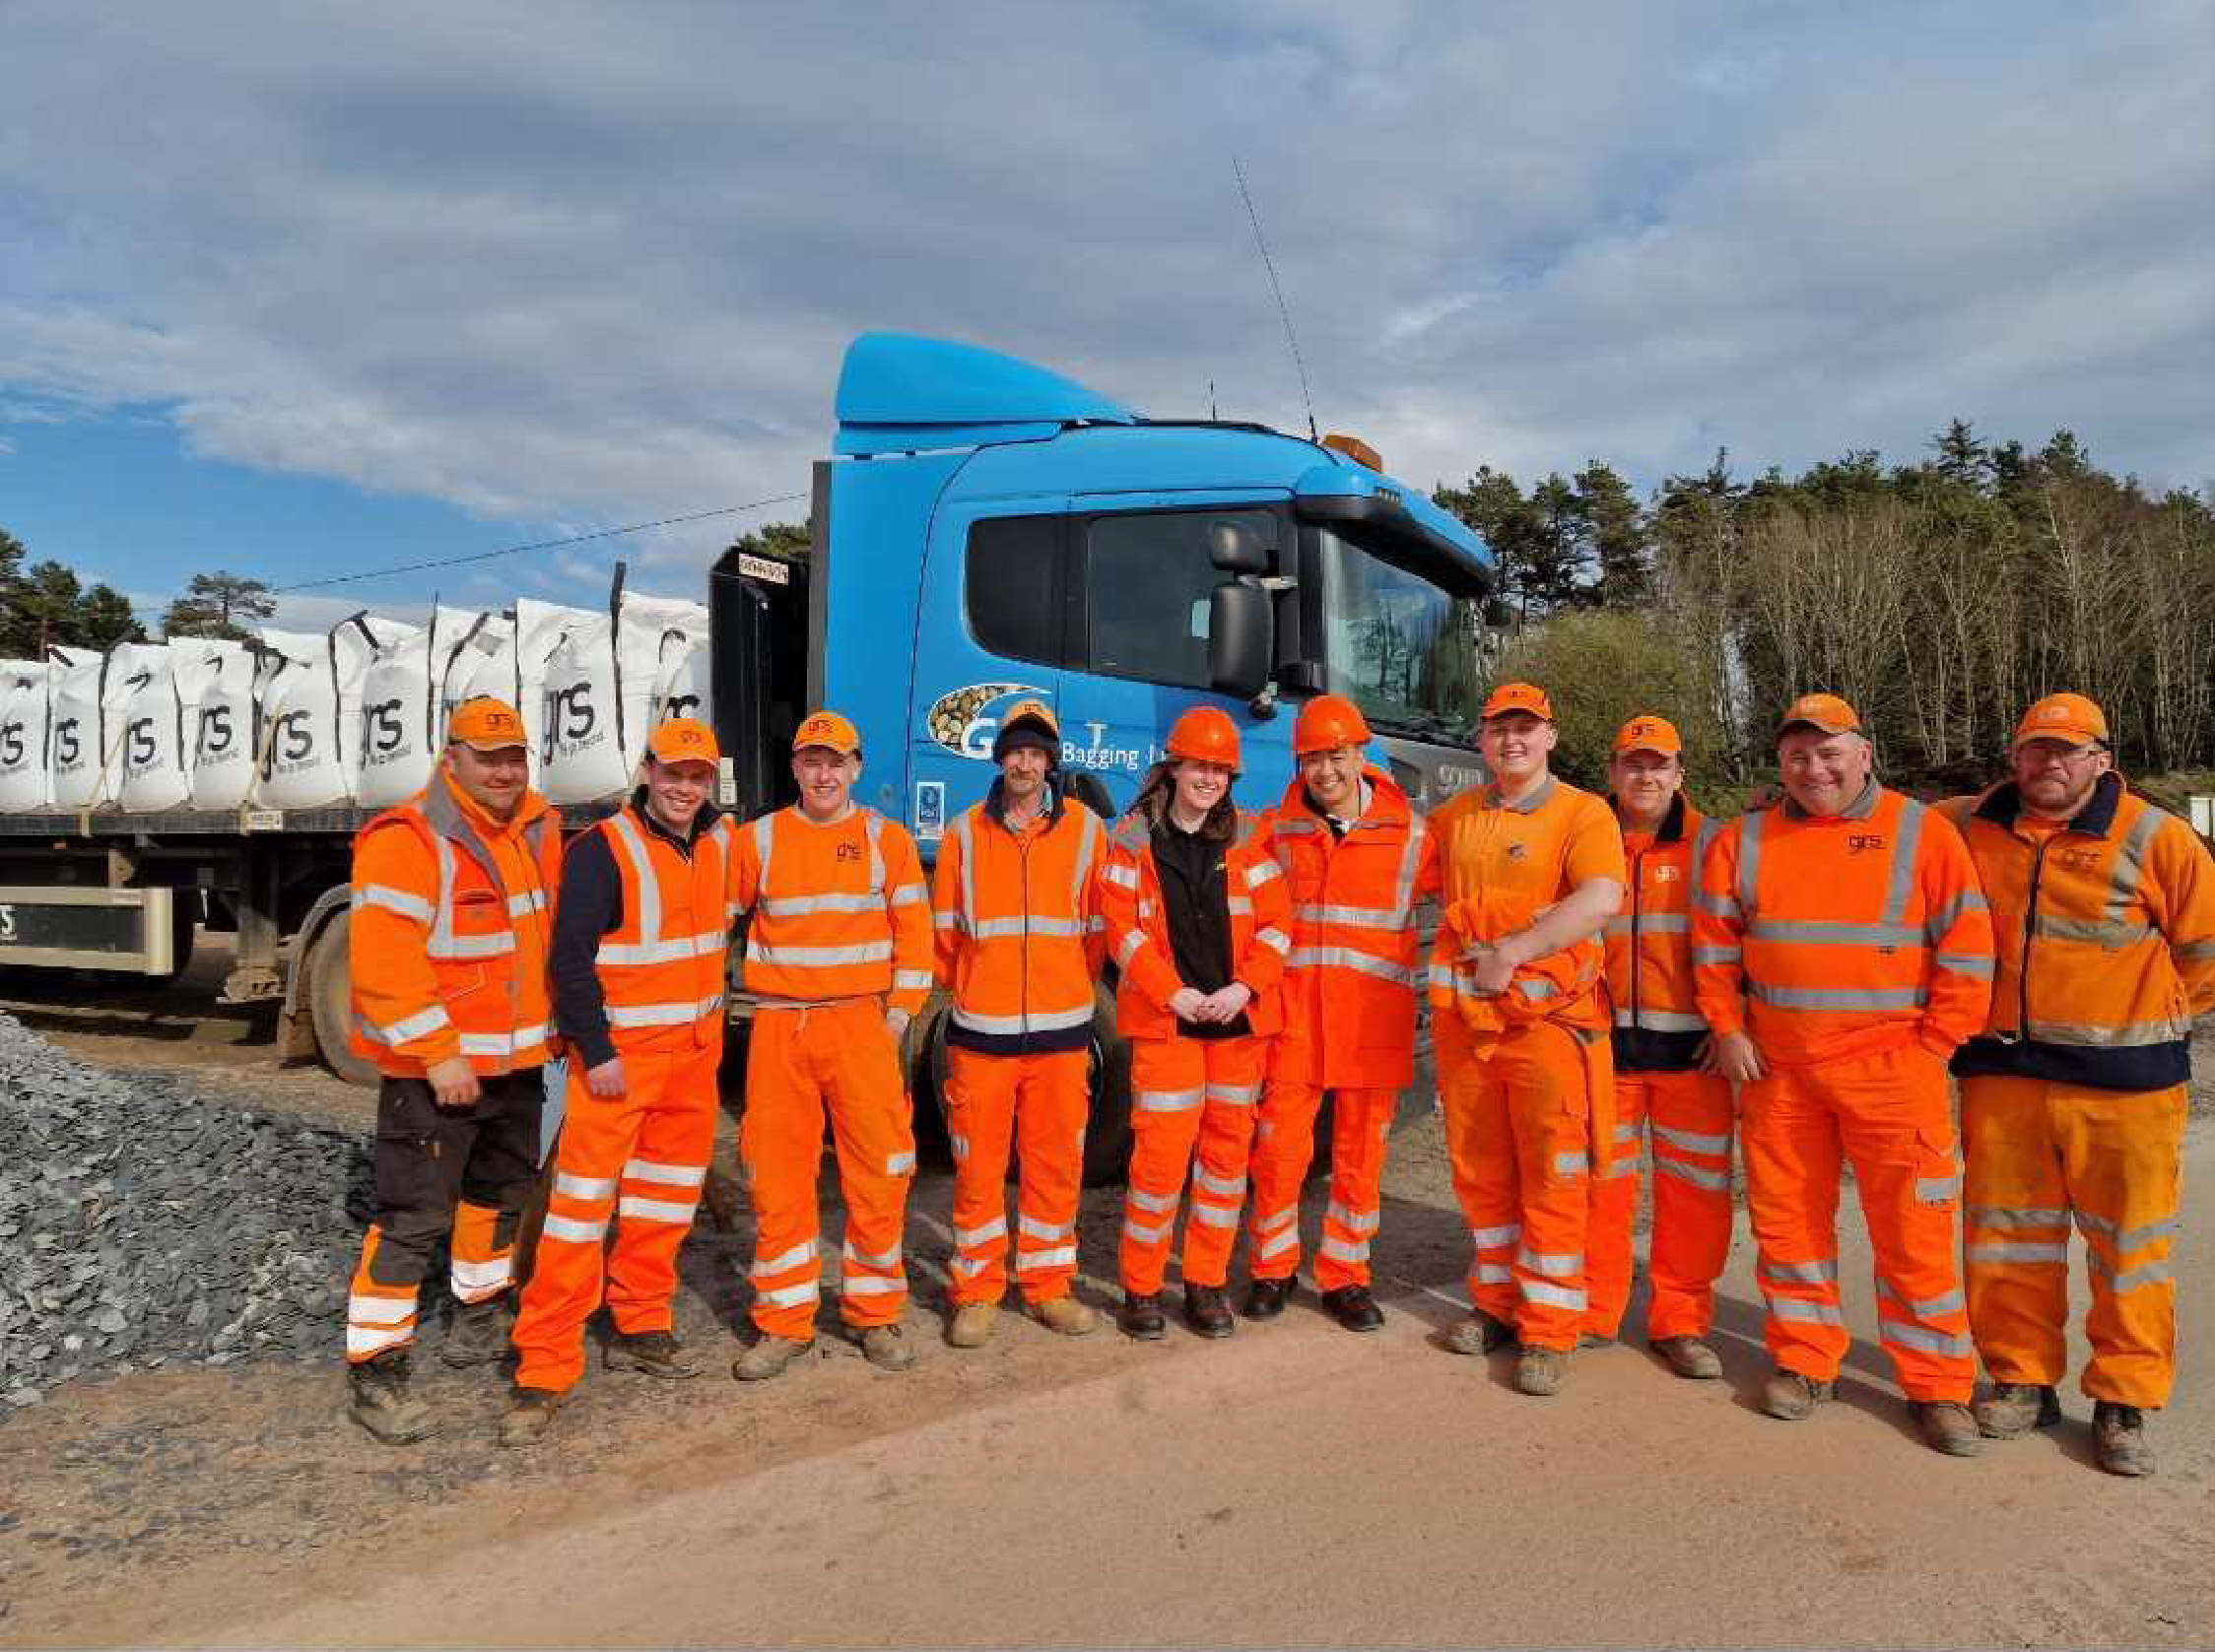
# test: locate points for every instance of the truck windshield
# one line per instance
(1394, 643)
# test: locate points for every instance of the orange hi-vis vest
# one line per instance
(1844, 936)
(1130, 899)
(2106, 932)
(840, 910)
(1350, 981)
(1650, 988)
(662, 968)
(452, 912)
(1016, 916)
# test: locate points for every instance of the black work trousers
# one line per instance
(431, 1158)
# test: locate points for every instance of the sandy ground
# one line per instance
(1294, 1485)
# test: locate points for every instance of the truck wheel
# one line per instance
(330, 1003)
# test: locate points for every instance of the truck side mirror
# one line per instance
(1240, 639)
(1235, 548)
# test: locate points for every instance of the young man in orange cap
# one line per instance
(1014, 904)
(1358, 859)
(453, 902)
(2073, 1094)
(839, 959)
(1843, 953)
(1534, 870)
(637, 968)
(1663, 1066)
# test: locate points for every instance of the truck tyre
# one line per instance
(330, 1003)
(1107, 1132)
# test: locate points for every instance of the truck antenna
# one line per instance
(1212, 416)
(1283, 310)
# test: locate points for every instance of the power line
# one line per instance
(535, 544)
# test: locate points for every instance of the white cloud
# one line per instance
(577, 264)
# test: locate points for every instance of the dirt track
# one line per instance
(1294, 1485)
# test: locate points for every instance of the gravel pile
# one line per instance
(142, 1227)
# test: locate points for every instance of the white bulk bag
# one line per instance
(464, 644)
(656, 638)
(215, 682)
(299, 765)
(74, 750)
(539, 630)
(582, 718)
(356, 644)
(401, 730)
(154, 753)
(680, 689)
(26, 784)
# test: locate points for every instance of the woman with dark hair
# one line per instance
(1200, 922)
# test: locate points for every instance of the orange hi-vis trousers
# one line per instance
(1040, 1105)
(1518, 1139)
(1888, 1115)
(1284, 1144)
(1690, 1117)
(806, 1062)
(1193, 1107)
(640, 1158)
(2044, 1154)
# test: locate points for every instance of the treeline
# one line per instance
(1940, 597)
(46, 606)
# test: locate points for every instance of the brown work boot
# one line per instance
(1541, 1371)
(657, 1353)
(476, 1333)
(1063, 1316)
(2118, 1436)
(1947, 1426)
(1206, 1312)
(1792, 1398)
(971, 1324)
(769, 1356)
(530, 1414)
(887, 1347)
(1689, 1356)
(2016, 1408)
(1593, 1339)
(1141, 1318)
(1480, 1333)
(378, 1398)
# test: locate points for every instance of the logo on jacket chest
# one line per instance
(849, 851)
(2079, 860)
(1860, 841)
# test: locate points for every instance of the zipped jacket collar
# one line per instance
(2003, 806)
(1671, 828)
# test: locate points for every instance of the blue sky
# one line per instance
(299, 290)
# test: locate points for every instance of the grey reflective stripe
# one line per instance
(1625, 1134)
(1804, 1312)
(1702, 841)
(420, 1024)
(513, 1043)
(1348, 957)
(1717, 955)
(965, 841)
(1352, 1223)
(1275, 939)
(1559, 1264)
(624, 834)
(817, 957)
(1903, 849)
(909, 895)
(873, 829)
(1261, 871)
(1031, 1228)
(1825, 1272)
(1237, 1095)
(472, 946)
(802, 905)
(1916, 1337)
(879, 1260)
(1358, 917)
(1821, 932)
(674, 949)
(1146, 1234)
(1712, 1181)
(1929, 1307)
(872, 1284)
(1871, 999)
(1411, 861)
(1716, 905)
(2150, 1273)
(1088, 855)
(1274, 1219)
(1692, 1141)
(1749, 860)
(997, 929)
(1284, 1240)
(588, 1188)
(1153, 1202)
(765, 1267)
(2098, 932)
(789, 1296)
(970, 1237)
(1660, 1021)
(1975, 966)
(1121, 876)
(662, 1015)
(1536, 991)
(1571, 1163)
(2132, 1035)
(1936, 1190)
(392, 901)
(1937, 925)
(968, 1267)
(1339, 1250)
(1492, 1238)
(1222, 1187)
(2196, 952)
(763, 840)
(636, 1209)
(2129, 863)
(1169, 1100)
(2014, 1216)
(911, 980)
(2018, 1250)
(900, 1164)
(1494, 1273)
(2138, 1237)
(1626, 1165)
(1128, 946)
(1031, 1021)
(1550, 1295)
(1239, 905)
(1653, 923)
(575, 1232)
(1214, 1215)
(1062, 1256)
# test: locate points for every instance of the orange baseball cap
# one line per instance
(1827, 712)
(2070, 717)
(1518, 697)
(485, 724)
(1645, 733)
(683, 739)
(826, 729)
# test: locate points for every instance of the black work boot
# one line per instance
(1206, 1312)
(1266, 1298)
(378, 1400)
(657, 1353)
(2118, 1436)
(1480, 1333)
(1141, 1317)
(476, 1333)
(1353, 1307)
(2016, 1408)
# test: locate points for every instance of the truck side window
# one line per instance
(1148, 581)
(1013, 586)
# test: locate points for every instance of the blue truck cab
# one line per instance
(986, 529)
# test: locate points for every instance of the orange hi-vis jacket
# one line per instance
(662, 968)
(1019, 935)
(1841, 936)
(1657, 1025)
(2106, 931)
(1130, 899)
(1349, 984)
(453, 911)
(840, 910)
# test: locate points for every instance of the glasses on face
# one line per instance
(2053, 750)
